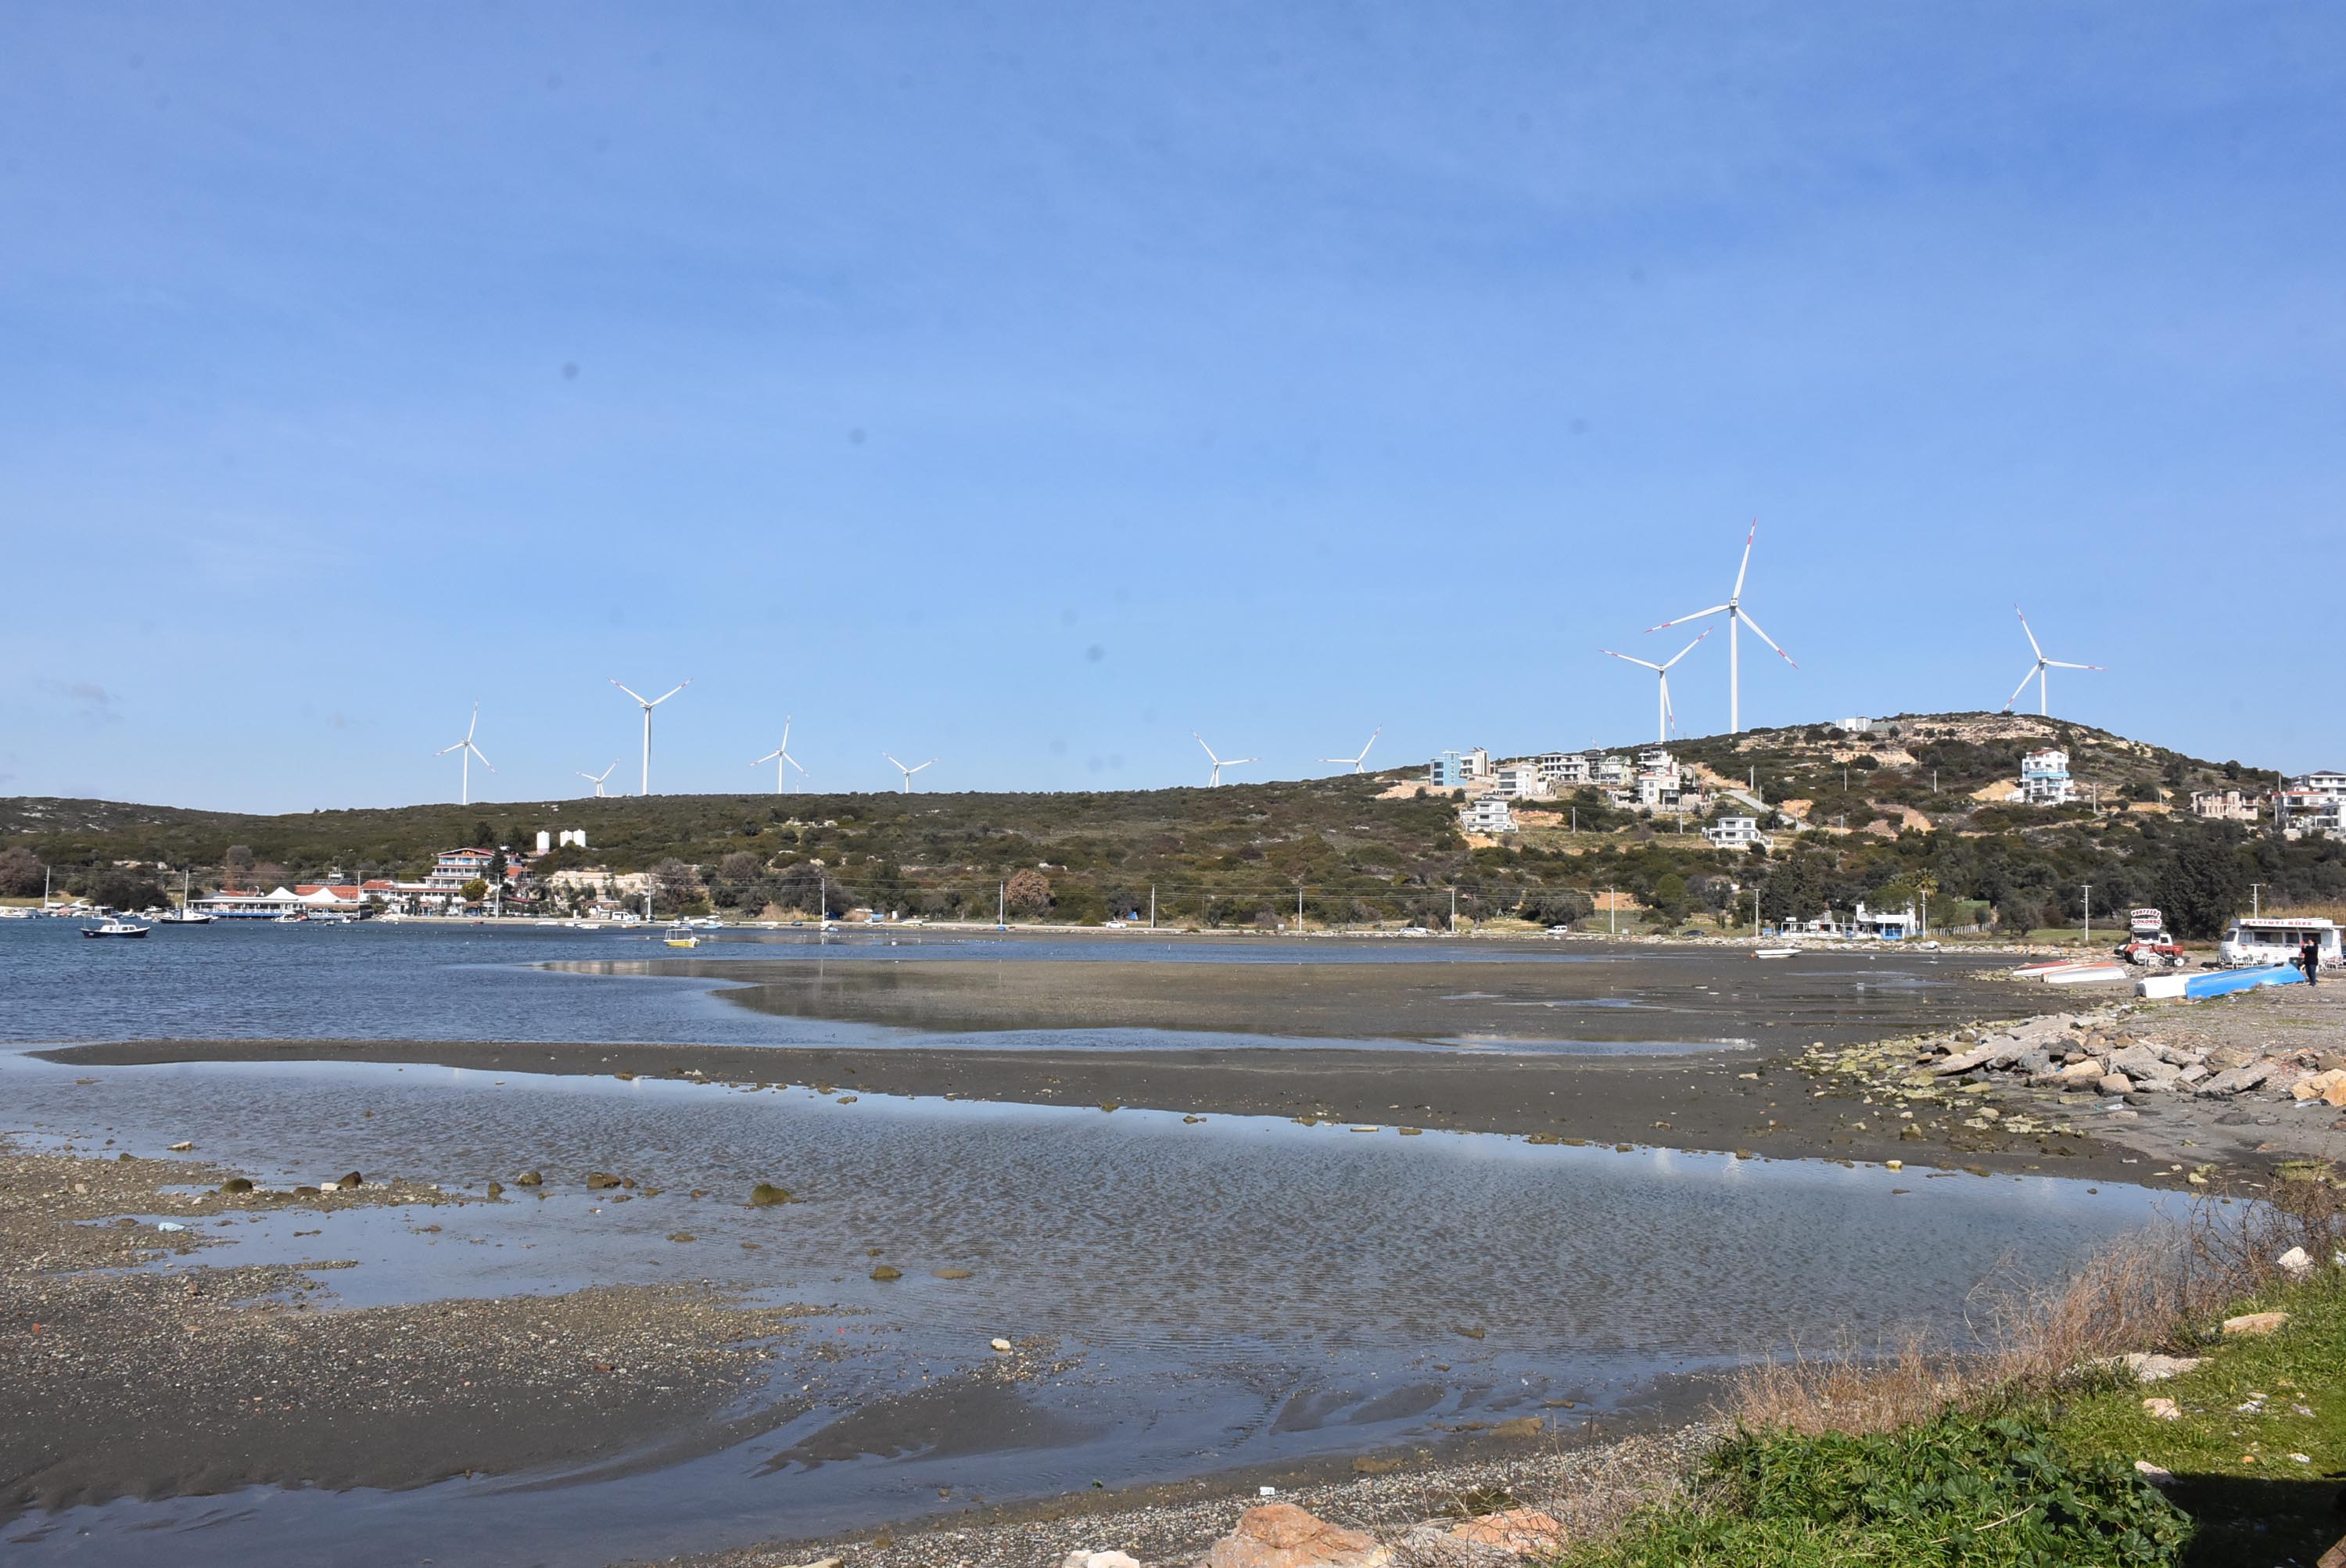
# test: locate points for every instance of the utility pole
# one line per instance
(1152, 906)
(1001, 905)
(2256, 906)
(1453, 911)
(1610, 926)
(1298, 910)
(2089, 914)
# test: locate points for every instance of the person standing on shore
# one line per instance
(2308, 958)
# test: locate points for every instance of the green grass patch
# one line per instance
(2050, 1484)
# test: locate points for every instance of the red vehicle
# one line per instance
(2148, 944)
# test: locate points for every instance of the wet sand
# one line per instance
(193, 1379)
(1722, 1100)
(1586, 994)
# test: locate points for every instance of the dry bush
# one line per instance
(2150, 1291)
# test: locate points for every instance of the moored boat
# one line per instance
(115, 927)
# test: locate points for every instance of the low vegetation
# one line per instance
(2033, 1452)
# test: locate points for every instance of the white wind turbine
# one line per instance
(1736, 616)
(908, 772)
(1222, 762)
(782, 754)
(470, 751)
(649, 704)
(1662, 719)
(596, 779)
(2036, 671)
(1355, 761)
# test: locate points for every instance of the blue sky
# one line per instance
(1031, 386)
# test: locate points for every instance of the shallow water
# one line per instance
(1234, 1291)
(526, 983)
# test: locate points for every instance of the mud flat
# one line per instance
(157, 1371)
(1578, 998)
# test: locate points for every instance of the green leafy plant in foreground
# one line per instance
(2000, 1491)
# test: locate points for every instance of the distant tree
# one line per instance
(1670, 896)
(268, 875)
(125, 890)
(20, 871)
(1028, 891)
(474, 891)
(1556, 906)
(498, 866)
(2201, 886)
(740, 866)
(484, 836)
(238, 864)
(677, 887)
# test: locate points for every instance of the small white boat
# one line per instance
(116, 927)
(1774, 952)
(289, 920)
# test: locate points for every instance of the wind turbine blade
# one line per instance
(768, 757)
(930, 763)
(1687, 649)
(2021, 688)
(1209, 750)
(476, 722)
(1236, 760)
(2033, 647)
(1649, 664)
(1739, 571)
(1715, 610)
(1764, 637)
(1363, 757)
(630, 690)
(484, 761)
(794, 762)
(670, 692)
(890, 755)
(786, 732)
(2065, 663)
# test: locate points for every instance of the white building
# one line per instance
(1854, 726)
(2229, 805)
(2313, 805)
(2044, 779)
(1489, 816)
(1738, 833)
(1519, 781)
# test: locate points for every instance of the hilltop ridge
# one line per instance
(1914, 798)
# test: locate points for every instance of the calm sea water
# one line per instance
(1238, 1291)
(394, 982)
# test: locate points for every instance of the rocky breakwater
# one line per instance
(2196, 1089)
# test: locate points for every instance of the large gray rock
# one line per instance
(2140, 1061)
(2238, 1080)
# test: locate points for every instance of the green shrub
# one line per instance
(1999, 1493)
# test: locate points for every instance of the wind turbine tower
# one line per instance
(2036, 671)
(470, 751)
(1663, 718)
(1736, 615)
(780, 754)
(1355, 761)
(908, 772)
(1222, 762)
(649, 704)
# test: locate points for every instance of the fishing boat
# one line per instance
(681, 934)
(117, 926)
